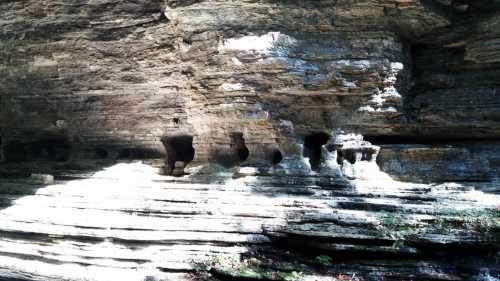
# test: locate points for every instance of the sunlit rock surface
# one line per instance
(128, 222)
(309, 140)
(108, 79)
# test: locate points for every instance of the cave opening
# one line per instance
(347, 154)
(48, 149)
(312, 148)
(131, 153)
(275, 156)
(238, 143)
(15, 152)
(238, 151)
(124, 153)
(180, 152)
(52, 149)
(101, 153)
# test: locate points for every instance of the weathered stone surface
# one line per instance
(111, 80)
(130, 222)
(322, 102)
(414, 162)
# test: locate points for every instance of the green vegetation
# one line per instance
(484, 220)
(269, 268)
(395, 226)
(290, 276)
(324, 260)
(249, 269)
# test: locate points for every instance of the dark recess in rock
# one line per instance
(254, 86)
(53, 149)
(101, 153)
(15, 152)
(179, 149)
(132, 153)
(312, 148)
(235, 153)
(47, 149)
(276, 156)
(238, 143)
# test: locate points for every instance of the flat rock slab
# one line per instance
(128, 221)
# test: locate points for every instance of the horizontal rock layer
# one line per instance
(320, 101)
(129, 222)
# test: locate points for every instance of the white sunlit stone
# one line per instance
(397, 66)
(329, 165)
(96, 207)
(236, 61)
(378, 101)
(357, 64)
(367, 175)
(366, 108)
(348, 139)
(231, 87)
(272, 42)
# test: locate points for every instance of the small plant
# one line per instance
(484, 220)
(394, 227)
(290, 276)
(343, 277)
(215, 259)
(324, 260)
(233, 268)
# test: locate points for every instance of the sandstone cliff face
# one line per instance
(319, 102)
(117, 79)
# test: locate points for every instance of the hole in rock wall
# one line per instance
(238, 142)
(15, 152)
(352, 155)
(367, 156)
(312, 148)
(180, 151)
(101, 153)
(52, 149)
(162, 17)
(138, 153)
(237, 152)
(49, 149)
(347, 154)
(275, 156)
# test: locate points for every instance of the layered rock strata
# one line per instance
(324, 104)
(107, 79)
(127, 222)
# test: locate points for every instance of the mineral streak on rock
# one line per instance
(303, 116)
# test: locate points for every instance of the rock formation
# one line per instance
(321, 105)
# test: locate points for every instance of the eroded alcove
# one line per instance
(312, 147)
(15, 152)
(180, 152)
(235, 152)
(272, 154)
(101, 153)
(238, 142)
(52, 149)
(45, 149)
(275, 156)
(1, 149)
